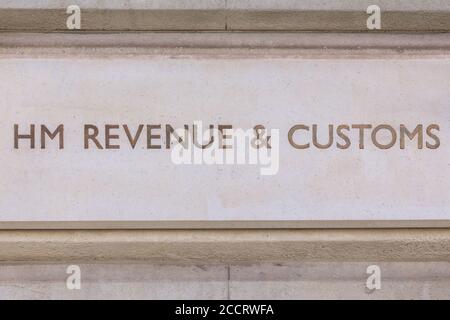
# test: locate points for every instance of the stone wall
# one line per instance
(220, 261)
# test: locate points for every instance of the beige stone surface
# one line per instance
(301, 280)
(340, 281)
(229, 44)
(276, 90)
(286, 15)
(114, 281)
(226, 246)
(220, 263)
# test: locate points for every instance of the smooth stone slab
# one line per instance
(78, 184)
(400, 280)
(314, 280)
(123, 280)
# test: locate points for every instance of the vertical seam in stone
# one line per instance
(226, 15)
(228, 281)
